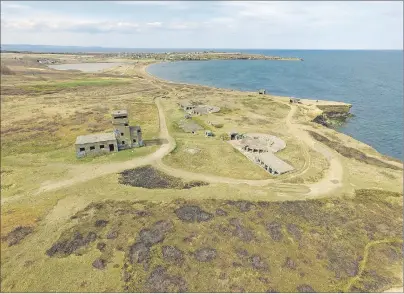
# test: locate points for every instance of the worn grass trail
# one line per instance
(331, 181)
(362, 264)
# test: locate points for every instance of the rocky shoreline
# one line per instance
(332, 119)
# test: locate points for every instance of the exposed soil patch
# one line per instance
(112, 235)
(342, 260)
(101, 246)
(159, 281)
(189, 239)
(101, 223)
(351, 152)
(17, 235)
(220, 212)
(173, 254)
(205, 254)
(295, 231)
(305, 289)
(258, 263)
(193, 214)
(99, 263)
(150, 178)
(289, 263)
(242, 253)
(152, 236)
(67, 247)
(240, 231)
(243, 206)
(139, 253)
(275, 231)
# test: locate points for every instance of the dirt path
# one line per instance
(362, 264)
(91, 171)
(331, 181)
(334, 175)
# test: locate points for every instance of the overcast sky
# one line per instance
(205, 24)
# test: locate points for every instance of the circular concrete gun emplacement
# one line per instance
(260, 149)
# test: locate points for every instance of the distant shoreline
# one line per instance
(144, 70)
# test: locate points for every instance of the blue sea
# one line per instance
(372, 81)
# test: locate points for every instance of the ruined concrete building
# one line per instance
(260, 149)
(194, 109)
(123, 137)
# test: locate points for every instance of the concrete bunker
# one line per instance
(195, 109)
(123, 137)
(260, 149)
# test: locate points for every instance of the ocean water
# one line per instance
(372, 81)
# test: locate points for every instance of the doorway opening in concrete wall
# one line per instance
(111, 147)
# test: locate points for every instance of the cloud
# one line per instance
(154, 24)
(94, 27)
(175, 5)
(237, 24)
(70, 26)
(13, 5)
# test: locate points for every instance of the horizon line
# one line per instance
(207, 48)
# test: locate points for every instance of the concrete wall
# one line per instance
(124, 136)
(136, 138)
(97, 149)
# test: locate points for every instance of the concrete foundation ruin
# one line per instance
(194, 109)
(123, 137)
(260, 149)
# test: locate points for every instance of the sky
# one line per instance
(205, 24)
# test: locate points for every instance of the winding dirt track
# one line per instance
(331, 181)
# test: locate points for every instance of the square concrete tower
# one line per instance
(127, 136)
